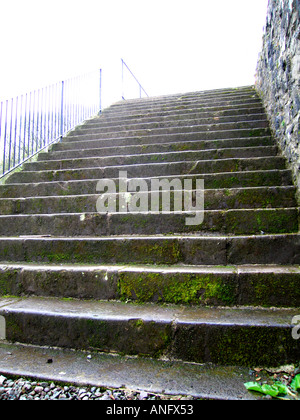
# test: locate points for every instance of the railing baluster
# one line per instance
(62, 109)
(20, 129)
(25, 123)
(33, 122)
(1, 114)
(10, 132)
(100, 93)
(5, 137)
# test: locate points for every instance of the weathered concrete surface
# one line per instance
(226, 336)
(239, 222)
(162, 250)
(197, 285)
(158, 157)
(113, 371)
(161, 147)
(246, 179)
(221, 199)
(153, 169)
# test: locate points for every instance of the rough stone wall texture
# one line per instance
(278, 77)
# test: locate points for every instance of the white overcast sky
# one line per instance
(172, 46)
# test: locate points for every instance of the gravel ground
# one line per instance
(25, 389)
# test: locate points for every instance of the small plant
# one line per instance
(278, 389)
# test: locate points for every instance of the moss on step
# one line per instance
(9, 282)
(187, 289)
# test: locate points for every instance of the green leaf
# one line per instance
(270, 390)
(296, 383)
(273, 390)
(282, 389)
(253, 386)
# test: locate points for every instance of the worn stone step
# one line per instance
(247, 337)
(213, 126)
(200, 110)
(188, 104)
(258, 285)
(188, 98)
(203, 381)
(155, 148)
(216, 110)
(152, 170)
(248, 128)
(237, 222)
(126, 110)
(161, 250)
(271, 178)
(203, 93)
(179, 156)
(221, 199)
(106, 119)
(91, 125)
(157, 140)
(182, 103)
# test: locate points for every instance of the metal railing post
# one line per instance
(15, 129)
(62, 109)
(100, 92)
(123, 79)
(10, 131)
(5, 137)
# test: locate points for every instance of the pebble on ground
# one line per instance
(25, 389)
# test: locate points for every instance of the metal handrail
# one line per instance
(141, 89)
(31, 122)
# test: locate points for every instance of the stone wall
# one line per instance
(278, 77)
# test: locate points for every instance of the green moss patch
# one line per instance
(177, 288)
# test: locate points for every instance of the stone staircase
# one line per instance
(224, 292)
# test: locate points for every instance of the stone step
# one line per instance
(152, 169)
(221, 199)
(215, 110)
(185, 99)
(158, 157)
(91, 125)
(236, 222)
(180, 111)
(106, 119)
(258, 285)
(251, 126)
(155, 148)
(153, 376)
(258, 135)
(188, 104)
(113, 132)
(182, 103)
(160, 250)
(227, 336)
(188, 98)
(271, 178)
(204, 93)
